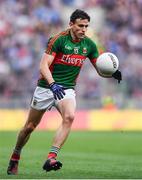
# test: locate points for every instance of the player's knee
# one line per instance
(69, 117)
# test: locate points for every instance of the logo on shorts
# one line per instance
(34, 102)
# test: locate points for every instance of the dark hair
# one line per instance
(79, 14)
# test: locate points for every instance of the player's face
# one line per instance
(79, 28)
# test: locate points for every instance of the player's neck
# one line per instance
(74, 38)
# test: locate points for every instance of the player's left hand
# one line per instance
(57, 90)
(117, 75)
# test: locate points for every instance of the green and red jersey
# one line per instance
(69, 57)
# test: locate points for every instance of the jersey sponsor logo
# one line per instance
(73, 60)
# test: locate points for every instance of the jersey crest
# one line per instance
(84, 50)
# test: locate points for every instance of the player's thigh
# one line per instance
(67, 105)
(42, 99)
(34, 117)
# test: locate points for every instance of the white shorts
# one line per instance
(43, 98)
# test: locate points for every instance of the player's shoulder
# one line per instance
(60, 35)
(89, 40)
(92, 47)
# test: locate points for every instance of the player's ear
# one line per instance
(70, 24)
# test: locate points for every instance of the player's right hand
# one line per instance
(57, 90)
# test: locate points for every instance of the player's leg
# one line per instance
(33, 120)
(66, 108)
(43, 99)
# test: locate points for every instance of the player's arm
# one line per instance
(94, 65)
(45, 63)
(93, 57)
(116, 75)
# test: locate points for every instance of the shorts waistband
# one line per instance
(65, 88)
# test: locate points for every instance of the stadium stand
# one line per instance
(25, 27)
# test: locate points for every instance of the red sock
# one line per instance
(15, 157)
(52, 155)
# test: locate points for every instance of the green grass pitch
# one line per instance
(85, 155)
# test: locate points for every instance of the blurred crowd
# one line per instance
(26, 25)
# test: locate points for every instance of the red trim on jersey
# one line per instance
(93, 60)
(53, 54)
(51, 43)
(51, 66)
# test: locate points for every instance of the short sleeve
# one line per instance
(93, 53)
(53, 46)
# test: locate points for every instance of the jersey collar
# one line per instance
(72, 37)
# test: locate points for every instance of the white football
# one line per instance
(107, 63)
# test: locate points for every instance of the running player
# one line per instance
(59, 69)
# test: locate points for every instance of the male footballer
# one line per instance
(59, 68)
